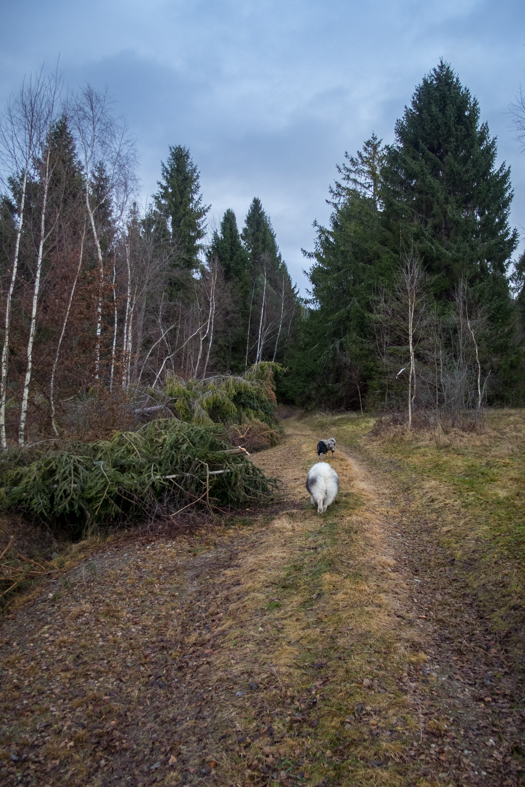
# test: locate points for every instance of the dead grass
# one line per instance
(326, 596)
(470, 487)
(275, 649)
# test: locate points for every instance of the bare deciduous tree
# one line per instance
(46, 165)
(102, 141)
(401, 319)
(24, 130)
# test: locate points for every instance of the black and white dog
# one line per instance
(323, 446)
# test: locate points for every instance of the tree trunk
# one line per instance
(101, 279)
(280, 323)
(211, 321)
(477, 362)
(258, 355)
(249, 326)
(63, 331)
(34, 308)
(7, 321)
(126, 339)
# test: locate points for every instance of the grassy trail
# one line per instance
(281, 648)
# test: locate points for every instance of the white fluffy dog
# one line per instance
(322, 484)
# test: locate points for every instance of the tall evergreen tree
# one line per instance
(227, 248)
(259, 237)
(443, 192)
(180, 205)
(272, 297)
(362, 173)
(335, 361)
(446, 198)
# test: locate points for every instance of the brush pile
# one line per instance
(247, 401)
(167, 465)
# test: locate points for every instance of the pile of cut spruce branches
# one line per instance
(167, 465)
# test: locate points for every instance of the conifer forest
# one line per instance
(415, 299)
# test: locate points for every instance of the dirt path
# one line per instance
(300, 649)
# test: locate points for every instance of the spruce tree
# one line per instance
(362, 173)
(179, 203)
(444, 193)
(259, 237)
(227, 248)
(446, 199)
(272, 296)
(335, 364)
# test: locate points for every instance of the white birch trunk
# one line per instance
(63, 332)
(102, 139)
(34, 307)
(258, 355)
(129, 349)
(115, 328)
(126, 343)
(280, 323)
(477, 362)
(412, 375)
(201, 339)
(101, 279)
(7, 321)
(249, 326)
(211, 321)
(23, 128)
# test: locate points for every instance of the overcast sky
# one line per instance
(269, 94)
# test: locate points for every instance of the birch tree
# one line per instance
(211, 289)
(410, 287)
(46, 166)
(470, 323)
(102, 142)
(23, 131)
(146, 262)
(402, 327)
(260, 342)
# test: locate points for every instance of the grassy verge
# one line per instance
(468, 488)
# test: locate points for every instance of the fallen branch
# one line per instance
(7, 547)
(15, 574)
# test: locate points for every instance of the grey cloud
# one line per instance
(268, 95)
